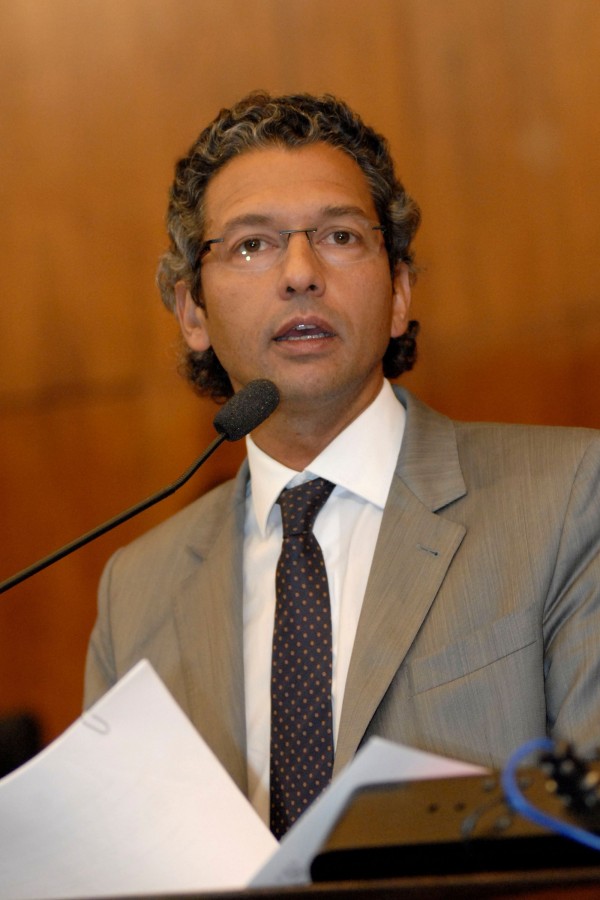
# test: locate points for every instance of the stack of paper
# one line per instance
(130, 800)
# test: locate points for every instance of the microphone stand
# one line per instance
(112, 523)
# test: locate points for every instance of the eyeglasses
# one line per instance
(338, 243)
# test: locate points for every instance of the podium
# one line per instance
(549, 884)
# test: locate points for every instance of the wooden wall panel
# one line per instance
(491, 108)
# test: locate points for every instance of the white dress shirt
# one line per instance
(360, 462)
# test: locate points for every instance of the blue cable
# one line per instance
(518, 802)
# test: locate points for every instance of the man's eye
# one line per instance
(250, 246)
(340, 237)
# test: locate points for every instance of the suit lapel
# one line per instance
(414, 550)
(208, 608)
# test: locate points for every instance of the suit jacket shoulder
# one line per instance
(482, 611)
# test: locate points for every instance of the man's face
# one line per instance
(317, 329)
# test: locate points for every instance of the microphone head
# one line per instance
(247, 409)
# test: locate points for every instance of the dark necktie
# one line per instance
(301, 716)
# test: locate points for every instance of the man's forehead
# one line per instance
(276, 180)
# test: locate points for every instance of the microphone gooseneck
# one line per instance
(245, 411)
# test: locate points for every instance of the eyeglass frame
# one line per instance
(206, 246)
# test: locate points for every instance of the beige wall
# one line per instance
(492, 110)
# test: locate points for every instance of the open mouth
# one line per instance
(304, 331)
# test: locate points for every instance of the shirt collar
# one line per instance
(361, 459)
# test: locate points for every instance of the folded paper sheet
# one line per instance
(129, 800)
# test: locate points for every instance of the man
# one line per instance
(462, 560)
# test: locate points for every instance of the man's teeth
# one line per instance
(307, 332)
(303, 332)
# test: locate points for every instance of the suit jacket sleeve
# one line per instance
(572, 614)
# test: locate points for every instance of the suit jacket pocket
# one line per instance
(507, 635)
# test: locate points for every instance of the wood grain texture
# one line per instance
(491, 110)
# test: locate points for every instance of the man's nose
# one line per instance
(301, 269)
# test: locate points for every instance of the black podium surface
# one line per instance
(574, 884)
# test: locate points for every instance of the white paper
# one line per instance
(129, 800)
(377, 762)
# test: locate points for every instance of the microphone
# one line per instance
(245, 411)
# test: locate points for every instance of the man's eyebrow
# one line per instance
(334, 211)
(248, 219)
(325, 212)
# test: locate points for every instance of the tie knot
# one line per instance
(300, 505)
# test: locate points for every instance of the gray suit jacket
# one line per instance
(480, 626)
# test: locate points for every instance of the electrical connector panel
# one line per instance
(463, 824)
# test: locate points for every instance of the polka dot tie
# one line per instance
(301, 716)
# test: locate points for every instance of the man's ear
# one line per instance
(400, 299)
(192, 319)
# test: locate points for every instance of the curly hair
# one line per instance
(294, 120)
